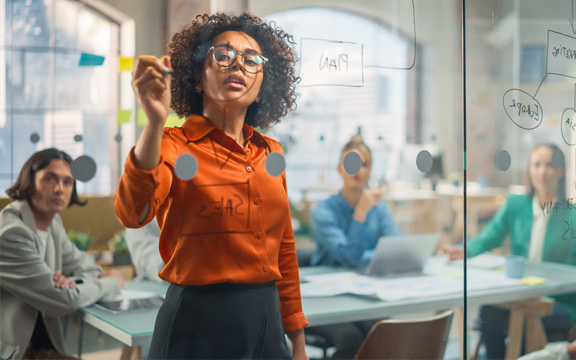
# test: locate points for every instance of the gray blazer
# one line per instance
(26, 285)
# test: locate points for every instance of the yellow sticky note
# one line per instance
(533, 280)
(126, 64)
(123, 116)
(174, 120)
(453, 274)
(141, 119)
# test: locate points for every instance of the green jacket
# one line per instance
(514, 218)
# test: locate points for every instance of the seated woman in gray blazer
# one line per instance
(43, 276)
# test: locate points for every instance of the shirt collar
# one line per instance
(197, 127)
(537, 210)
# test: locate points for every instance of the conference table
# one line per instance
(134, 328)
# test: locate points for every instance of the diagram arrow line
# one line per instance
(539, 86)
(572, 19)
(574, 95)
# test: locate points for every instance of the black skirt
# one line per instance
(221, 321)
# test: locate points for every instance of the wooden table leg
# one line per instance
(131, 353)
(532, 310)
(515, 332)
(459, 319)
(535, 335)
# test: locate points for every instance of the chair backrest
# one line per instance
(408, 339)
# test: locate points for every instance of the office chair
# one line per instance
(304, 256)
(408, 339)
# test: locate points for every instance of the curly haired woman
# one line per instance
(226, 237)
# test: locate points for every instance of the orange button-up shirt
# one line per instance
(229, 223)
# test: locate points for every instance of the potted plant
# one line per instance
(80, 239)
(119, 248)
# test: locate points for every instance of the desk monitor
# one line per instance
(402, 254)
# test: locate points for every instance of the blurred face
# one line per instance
(231, 85)
(52, 188)
(358, 180)
(543, 176)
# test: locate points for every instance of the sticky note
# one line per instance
(126, 64)
(381, 296)
(91, 60)
(533, 280)
(123, 116)
(453, 274)
(171, 120)
(174, 120)
(141, 118)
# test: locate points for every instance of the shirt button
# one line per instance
(248, 168)
(259, 235)
(265, 268)
(257, 201)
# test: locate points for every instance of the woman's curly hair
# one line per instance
(188, 51)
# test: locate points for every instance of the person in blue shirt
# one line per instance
(346, 228)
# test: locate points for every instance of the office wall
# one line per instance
(150, 19)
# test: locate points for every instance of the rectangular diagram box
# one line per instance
(331, 63)
(561, 54)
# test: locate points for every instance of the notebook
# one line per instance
(402, 254)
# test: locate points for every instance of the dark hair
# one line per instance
(22, 189)
(188, 51)
(356, 142)
(561, 185)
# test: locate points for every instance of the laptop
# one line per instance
(402, 254)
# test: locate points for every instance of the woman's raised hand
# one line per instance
(151, 84)
(368, 199)
(453, 251)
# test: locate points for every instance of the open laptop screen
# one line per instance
(402, 254)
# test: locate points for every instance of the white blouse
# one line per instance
(539, 224)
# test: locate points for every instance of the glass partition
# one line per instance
(466, 107)
(391, 72)
(520, 158)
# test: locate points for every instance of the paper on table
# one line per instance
(487, 261)
(131, 295)
(136, 294)
(480, 279)
(406, 287)
(390, 289)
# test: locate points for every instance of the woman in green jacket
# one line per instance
(539, 227)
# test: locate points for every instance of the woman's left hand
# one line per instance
(298, 344)
(299, 355)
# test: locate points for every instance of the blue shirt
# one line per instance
(343, 241)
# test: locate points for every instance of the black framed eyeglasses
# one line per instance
(225, 56)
